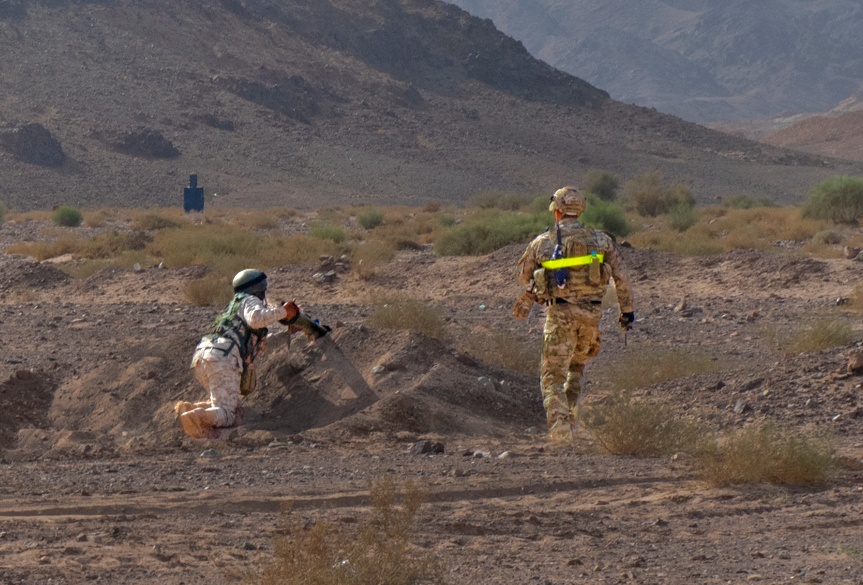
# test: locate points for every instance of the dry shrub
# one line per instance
(154, 221)
(765, 454)
(720, 229)
(502, 349)
(80, 269)
(408, 314)
(209, 291)
(97, 218)
(824, 333)
(646, 365)
(369, 257)
(855, 300)
(626, 426)
(228, 249)
(432, 207)
(377, 551)
(43, 250)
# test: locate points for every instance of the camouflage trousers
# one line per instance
(221, 379)
(570, 338)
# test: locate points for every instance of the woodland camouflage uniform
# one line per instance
(571, 333)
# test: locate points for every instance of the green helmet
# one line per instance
(250, 281)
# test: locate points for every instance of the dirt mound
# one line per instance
(24, 401)
(20, 272)
(419, 386)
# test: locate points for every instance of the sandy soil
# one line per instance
(97, 483)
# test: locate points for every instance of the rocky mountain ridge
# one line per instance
(309, 104)
(706, 60)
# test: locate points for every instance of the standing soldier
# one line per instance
(224, 359)
(568, 270)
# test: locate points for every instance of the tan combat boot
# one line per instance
(182, 407)
(560, 432)
(197, 423)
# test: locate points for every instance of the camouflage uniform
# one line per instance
(571, 333)
(218, 367)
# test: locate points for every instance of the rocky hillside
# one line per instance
(703, 60)
(312, 103)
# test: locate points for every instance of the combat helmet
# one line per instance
(250, 281)
(568, 201)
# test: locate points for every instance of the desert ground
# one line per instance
(98, 483)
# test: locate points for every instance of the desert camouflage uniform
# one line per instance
(571, 333)
(218, 365)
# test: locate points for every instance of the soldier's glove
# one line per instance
(521, 308)
(292, 313)
(626, 320)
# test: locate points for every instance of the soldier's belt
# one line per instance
(573, 261)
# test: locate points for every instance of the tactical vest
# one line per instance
(230, 325)
(584, 260)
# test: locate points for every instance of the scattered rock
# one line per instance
(850, 252)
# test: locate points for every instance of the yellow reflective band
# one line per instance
(574, 261)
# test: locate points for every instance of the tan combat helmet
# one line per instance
(568, 201)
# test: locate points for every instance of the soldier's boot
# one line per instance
(198, 422)
(182, 407)
(560, 432)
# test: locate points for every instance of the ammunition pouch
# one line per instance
(540, 285)
(248, 380)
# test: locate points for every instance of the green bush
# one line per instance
(839, 199)
(489, 233)
(370, 219)
(68, 216)
(328, 231)
(829, 237)
(605, 215)
(2, 211)
(681, 217)
(650, 197)
(744, 201)
(602, 184)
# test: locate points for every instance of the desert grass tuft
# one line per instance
(154, 221)
(369, 257)
(212, 290)
(627, 426)
(502, 349)
(766, 454)
(824, 333)
(410, 315)
(647, 364)
(376, 551)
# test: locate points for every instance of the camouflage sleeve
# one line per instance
(527, 264)
(258, 315)
(621, 279)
